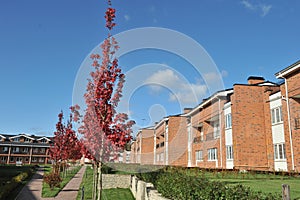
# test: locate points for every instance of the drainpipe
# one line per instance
(167, 143)
(189, 128)
(220, 122)
(289, 121)
(154, 148)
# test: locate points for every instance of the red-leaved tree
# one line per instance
(105, 131)
(66, 145)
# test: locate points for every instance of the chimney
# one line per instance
(255, 80)
(186, 110)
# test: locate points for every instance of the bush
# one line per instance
(53, 180)
(178, 184)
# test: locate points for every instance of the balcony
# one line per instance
(212, 135)
(198, 139)
(297, 123)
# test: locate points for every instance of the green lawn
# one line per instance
(107, 194)
(47, 192)
(267, 183)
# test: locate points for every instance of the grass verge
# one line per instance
(107, 194)
(264, 182)
(47, 192)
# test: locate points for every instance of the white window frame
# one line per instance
(161, 157)
(279, 151)
(16, 149)
(3, 158)
(216, 126)
(199, 155)
(228, 121)
(229, 152)
(276, 115)
(17, 139)
(27, 140)
(212, 154)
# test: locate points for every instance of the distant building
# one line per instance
(24, 149)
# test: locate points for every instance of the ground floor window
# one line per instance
(12, 159)
(229, 152)
(3, 159)
(199, 155)
(279, 151)
(212, 154)
(34, 159)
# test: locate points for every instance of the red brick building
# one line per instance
(24, 149)
(252, 126)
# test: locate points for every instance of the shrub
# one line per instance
(177, 184)
(53, 180)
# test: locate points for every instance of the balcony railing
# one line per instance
(297, 123)
(212, 135)
(197, 139)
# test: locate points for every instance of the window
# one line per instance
(43, 141)
(228, 121)
(35, 150)
(201, 133)
(16, 149)
(276, 115)
(212, 154)
(17, 139)
(3, 159)
(11, 159)
(34, 159)
(42, 150)
(229, 152)
(41, 160)
(279, 151)
(199, 155)
(25, 150)
(26, 139)
(216, 126)
(19, 159)
(5, 149)
(161, 157)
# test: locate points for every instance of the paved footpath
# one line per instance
(33, 190)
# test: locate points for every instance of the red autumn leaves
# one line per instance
(109, 17)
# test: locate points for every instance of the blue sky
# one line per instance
(43, 44)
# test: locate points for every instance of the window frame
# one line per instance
(199, 155)
(229, 152)
(228, 121)
(212, 154)
(279, 151)
(276, 115)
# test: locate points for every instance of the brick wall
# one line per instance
(250, 114)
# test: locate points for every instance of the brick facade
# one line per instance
(253, 126)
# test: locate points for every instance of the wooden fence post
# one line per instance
(285, 192)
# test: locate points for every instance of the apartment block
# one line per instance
(24, 149)
(251, 126)
(170, 137)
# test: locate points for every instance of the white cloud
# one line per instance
(262, 8)
(180, 89)
(127, 17)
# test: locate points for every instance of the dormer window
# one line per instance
(17, 139)
(26, 139)
(43, 141)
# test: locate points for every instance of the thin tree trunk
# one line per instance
(99, 180)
